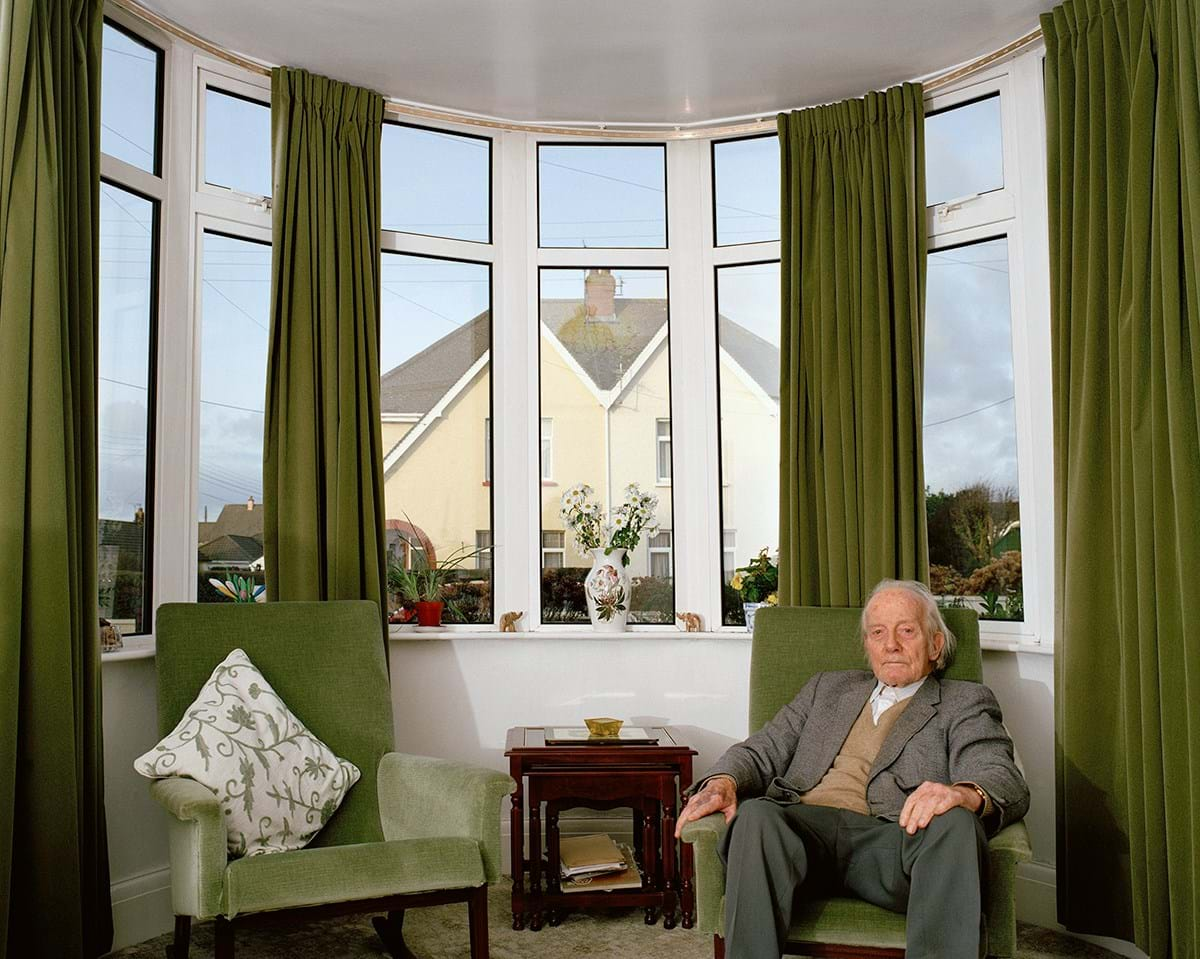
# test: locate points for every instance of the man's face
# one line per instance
(896, 644)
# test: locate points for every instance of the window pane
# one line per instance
(602, 196)
(125, 481)
(235, 313)
(963, 154)
(129, 99)
(237, 143)
(605, 383)
(748, 341)
(552, 550)
(972, 500)
(483, 542)
(436, 397)
(436, 183)
(746, 174)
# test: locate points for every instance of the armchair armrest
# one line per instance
(196, 834)
(705, 835)
(422, 797)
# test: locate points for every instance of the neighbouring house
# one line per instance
(232, 543)
(605, 420)
(120, 567)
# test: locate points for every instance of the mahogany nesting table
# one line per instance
(649, 779)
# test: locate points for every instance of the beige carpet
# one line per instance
(441, 933)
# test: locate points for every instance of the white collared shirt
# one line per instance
(885, 697)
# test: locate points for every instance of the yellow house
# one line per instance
(605, 420)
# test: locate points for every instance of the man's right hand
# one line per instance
(718, 795)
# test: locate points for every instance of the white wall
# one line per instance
(137, 827)
(456, 698)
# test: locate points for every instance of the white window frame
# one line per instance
(1018, 212)
(225, 80)
(159, 550)
(499, 458)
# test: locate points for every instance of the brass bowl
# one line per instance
(604, 726)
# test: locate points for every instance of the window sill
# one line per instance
(135, 647)
(998, 645)
(438, 634)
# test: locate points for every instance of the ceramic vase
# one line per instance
(608, 592)
(748, 610)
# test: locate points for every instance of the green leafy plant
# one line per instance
(240, 589)
(758, 580)
(425, 583)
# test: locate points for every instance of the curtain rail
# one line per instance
(666, 131)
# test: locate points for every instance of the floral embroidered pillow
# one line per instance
(278, 784)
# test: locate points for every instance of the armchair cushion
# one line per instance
(277, 783)
(371, 870)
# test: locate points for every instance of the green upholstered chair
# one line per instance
(413, 831)
(790, 645)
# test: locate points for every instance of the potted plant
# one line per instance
(423, 585)
(757, 583)
(609, 541)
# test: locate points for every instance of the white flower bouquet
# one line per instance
(622, 528)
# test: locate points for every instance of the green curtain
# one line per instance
(852, 498)
(54, 886)
(1123, 151)
(323, 444)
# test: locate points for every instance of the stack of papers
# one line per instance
(596, 862)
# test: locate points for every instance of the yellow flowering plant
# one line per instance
(758, 580)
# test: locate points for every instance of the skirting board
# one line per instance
(141, 907)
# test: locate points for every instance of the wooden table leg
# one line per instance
(535, 862)
(554, 873)
(668, 856)
(517, 850)
(650, 848)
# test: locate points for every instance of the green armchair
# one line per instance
(413, 831)
(790, 645)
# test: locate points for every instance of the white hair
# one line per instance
(931, 620)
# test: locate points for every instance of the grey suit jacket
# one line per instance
(952, 731)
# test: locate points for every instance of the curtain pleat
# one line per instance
(54, 883)
(1123, 152)
(852, 498)
(323, 446)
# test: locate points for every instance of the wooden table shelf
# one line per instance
(648, 779)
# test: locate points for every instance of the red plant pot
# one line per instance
(429, 614)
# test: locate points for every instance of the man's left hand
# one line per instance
(932, 799)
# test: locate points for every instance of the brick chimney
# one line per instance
(599, 287)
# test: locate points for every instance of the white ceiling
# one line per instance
(668, 61)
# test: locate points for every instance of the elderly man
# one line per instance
(885, 784)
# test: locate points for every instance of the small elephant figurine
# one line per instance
(508, 621)
(691, 621)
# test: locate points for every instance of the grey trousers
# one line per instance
(775, 853)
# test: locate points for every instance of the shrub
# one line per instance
(653, 600)
(1000, 576)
